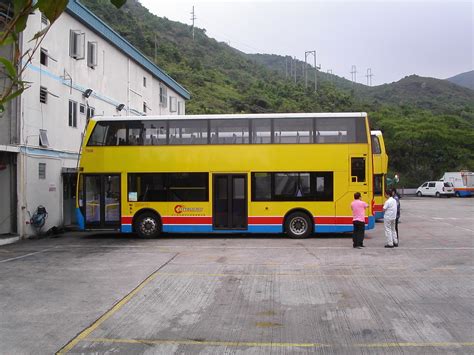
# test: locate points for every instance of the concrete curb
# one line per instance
(9, 240)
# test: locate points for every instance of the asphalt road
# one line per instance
(108, 293)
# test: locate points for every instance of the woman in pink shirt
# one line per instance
(358, 220)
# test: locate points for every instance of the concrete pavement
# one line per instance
(104, 293)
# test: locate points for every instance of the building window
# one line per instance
(43, 95)
(144, 82)
(44, 57)
(82, 109)
(72, 113)
(92, 54)
(44, 19)
(180, 108)
(173, 104)
(90, 112)
(163, 96)
(42, 171)
(43, 138)
(76, 44)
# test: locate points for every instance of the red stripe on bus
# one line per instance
(378, 208)
(265, 220)
(187, 220)
(321, 220)
(335, 220)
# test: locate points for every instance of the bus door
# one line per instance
(101, 205)
(230, 201)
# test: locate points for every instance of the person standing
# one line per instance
(358, 221)
(389, 217)
(397, 198)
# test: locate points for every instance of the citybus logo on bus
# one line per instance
(183, 209)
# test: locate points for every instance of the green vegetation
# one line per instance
(428, 123)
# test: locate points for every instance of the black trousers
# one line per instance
(396, 228)
(358, 235)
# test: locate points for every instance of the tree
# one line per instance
(12, 25)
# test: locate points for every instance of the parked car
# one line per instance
(435, 188)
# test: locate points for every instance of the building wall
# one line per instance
(8, 120)
(117, 79)
(7, 195)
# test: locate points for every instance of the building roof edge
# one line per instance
(85, 16)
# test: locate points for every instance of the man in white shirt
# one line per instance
(390, 215)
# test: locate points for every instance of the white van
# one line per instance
(435, 188)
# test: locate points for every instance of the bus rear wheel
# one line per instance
(147, 225)
(298, 225)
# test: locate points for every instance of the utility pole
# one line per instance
(331, 77)
(294, 68)
(369, 76)
(316, 67)
(155, 49)
(354, 74)
(193, 17)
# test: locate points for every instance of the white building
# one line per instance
(84, 68)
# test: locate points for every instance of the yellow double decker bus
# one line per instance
(380, 164)
(256, 173)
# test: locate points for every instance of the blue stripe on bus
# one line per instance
(80, 219)
(378, 215)
(126, 228)
(209, 229)
(332, 228)
(277, 228)
(371, 224)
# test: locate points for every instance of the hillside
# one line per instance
(439, 96)
(464, 79)
(428, 124)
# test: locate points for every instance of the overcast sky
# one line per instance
(393, 38)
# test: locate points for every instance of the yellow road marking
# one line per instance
(85, 333)
(273, 344)
(205, 342)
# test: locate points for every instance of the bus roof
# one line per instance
(230, 116)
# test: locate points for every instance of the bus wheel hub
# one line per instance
(298, 226)
(148, 226)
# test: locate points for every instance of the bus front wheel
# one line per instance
(147, 225)
(298, 225)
